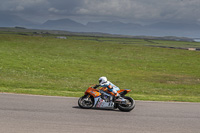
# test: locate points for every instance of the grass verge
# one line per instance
(66, 67)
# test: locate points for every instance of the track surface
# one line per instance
(43, 114)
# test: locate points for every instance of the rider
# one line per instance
(112, 89)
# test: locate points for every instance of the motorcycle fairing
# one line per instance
(123, 92)
(100, 103)
(93, 92)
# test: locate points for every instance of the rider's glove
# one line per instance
(96, 86)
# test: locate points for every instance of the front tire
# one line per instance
(86, 102)
(129, 106)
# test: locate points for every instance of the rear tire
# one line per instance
(86, 102)
(129, 106)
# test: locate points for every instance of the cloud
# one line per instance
(54, 10)
(142, 9)
(19, 8)
(22, 5)
(133, 10)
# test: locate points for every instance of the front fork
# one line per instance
(88, 98)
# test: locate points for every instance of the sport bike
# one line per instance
(99, 98)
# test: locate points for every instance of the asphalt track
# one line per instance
(44, 114)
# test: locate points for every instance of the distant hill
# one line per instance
(12, 20)
(114, 27)
(25, 31)
(63, 24)
(156, 29)
(174, 26)
(113, 24)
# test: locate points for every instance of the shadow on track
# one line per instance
(115, 110)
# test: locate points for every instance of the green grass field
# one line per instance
(66, 67)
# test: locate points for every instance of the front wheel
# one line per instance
(86, 102)
(130, 104)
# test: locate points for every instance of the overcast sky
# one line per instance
(134, 11)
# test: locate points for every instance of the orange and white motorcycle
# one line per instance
(98, 98)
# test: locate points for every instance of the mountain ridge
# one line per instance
(111, 27)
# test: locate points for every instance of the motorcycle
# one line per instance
(98, 98)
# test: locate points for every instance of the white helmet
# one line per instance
(103, 81)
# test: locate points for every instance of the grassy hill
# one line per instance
(46, 65)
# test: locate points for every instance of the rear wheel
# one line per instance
(86, 102)
(130, 104)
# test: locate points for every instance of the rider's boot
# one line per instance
(117, 97)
